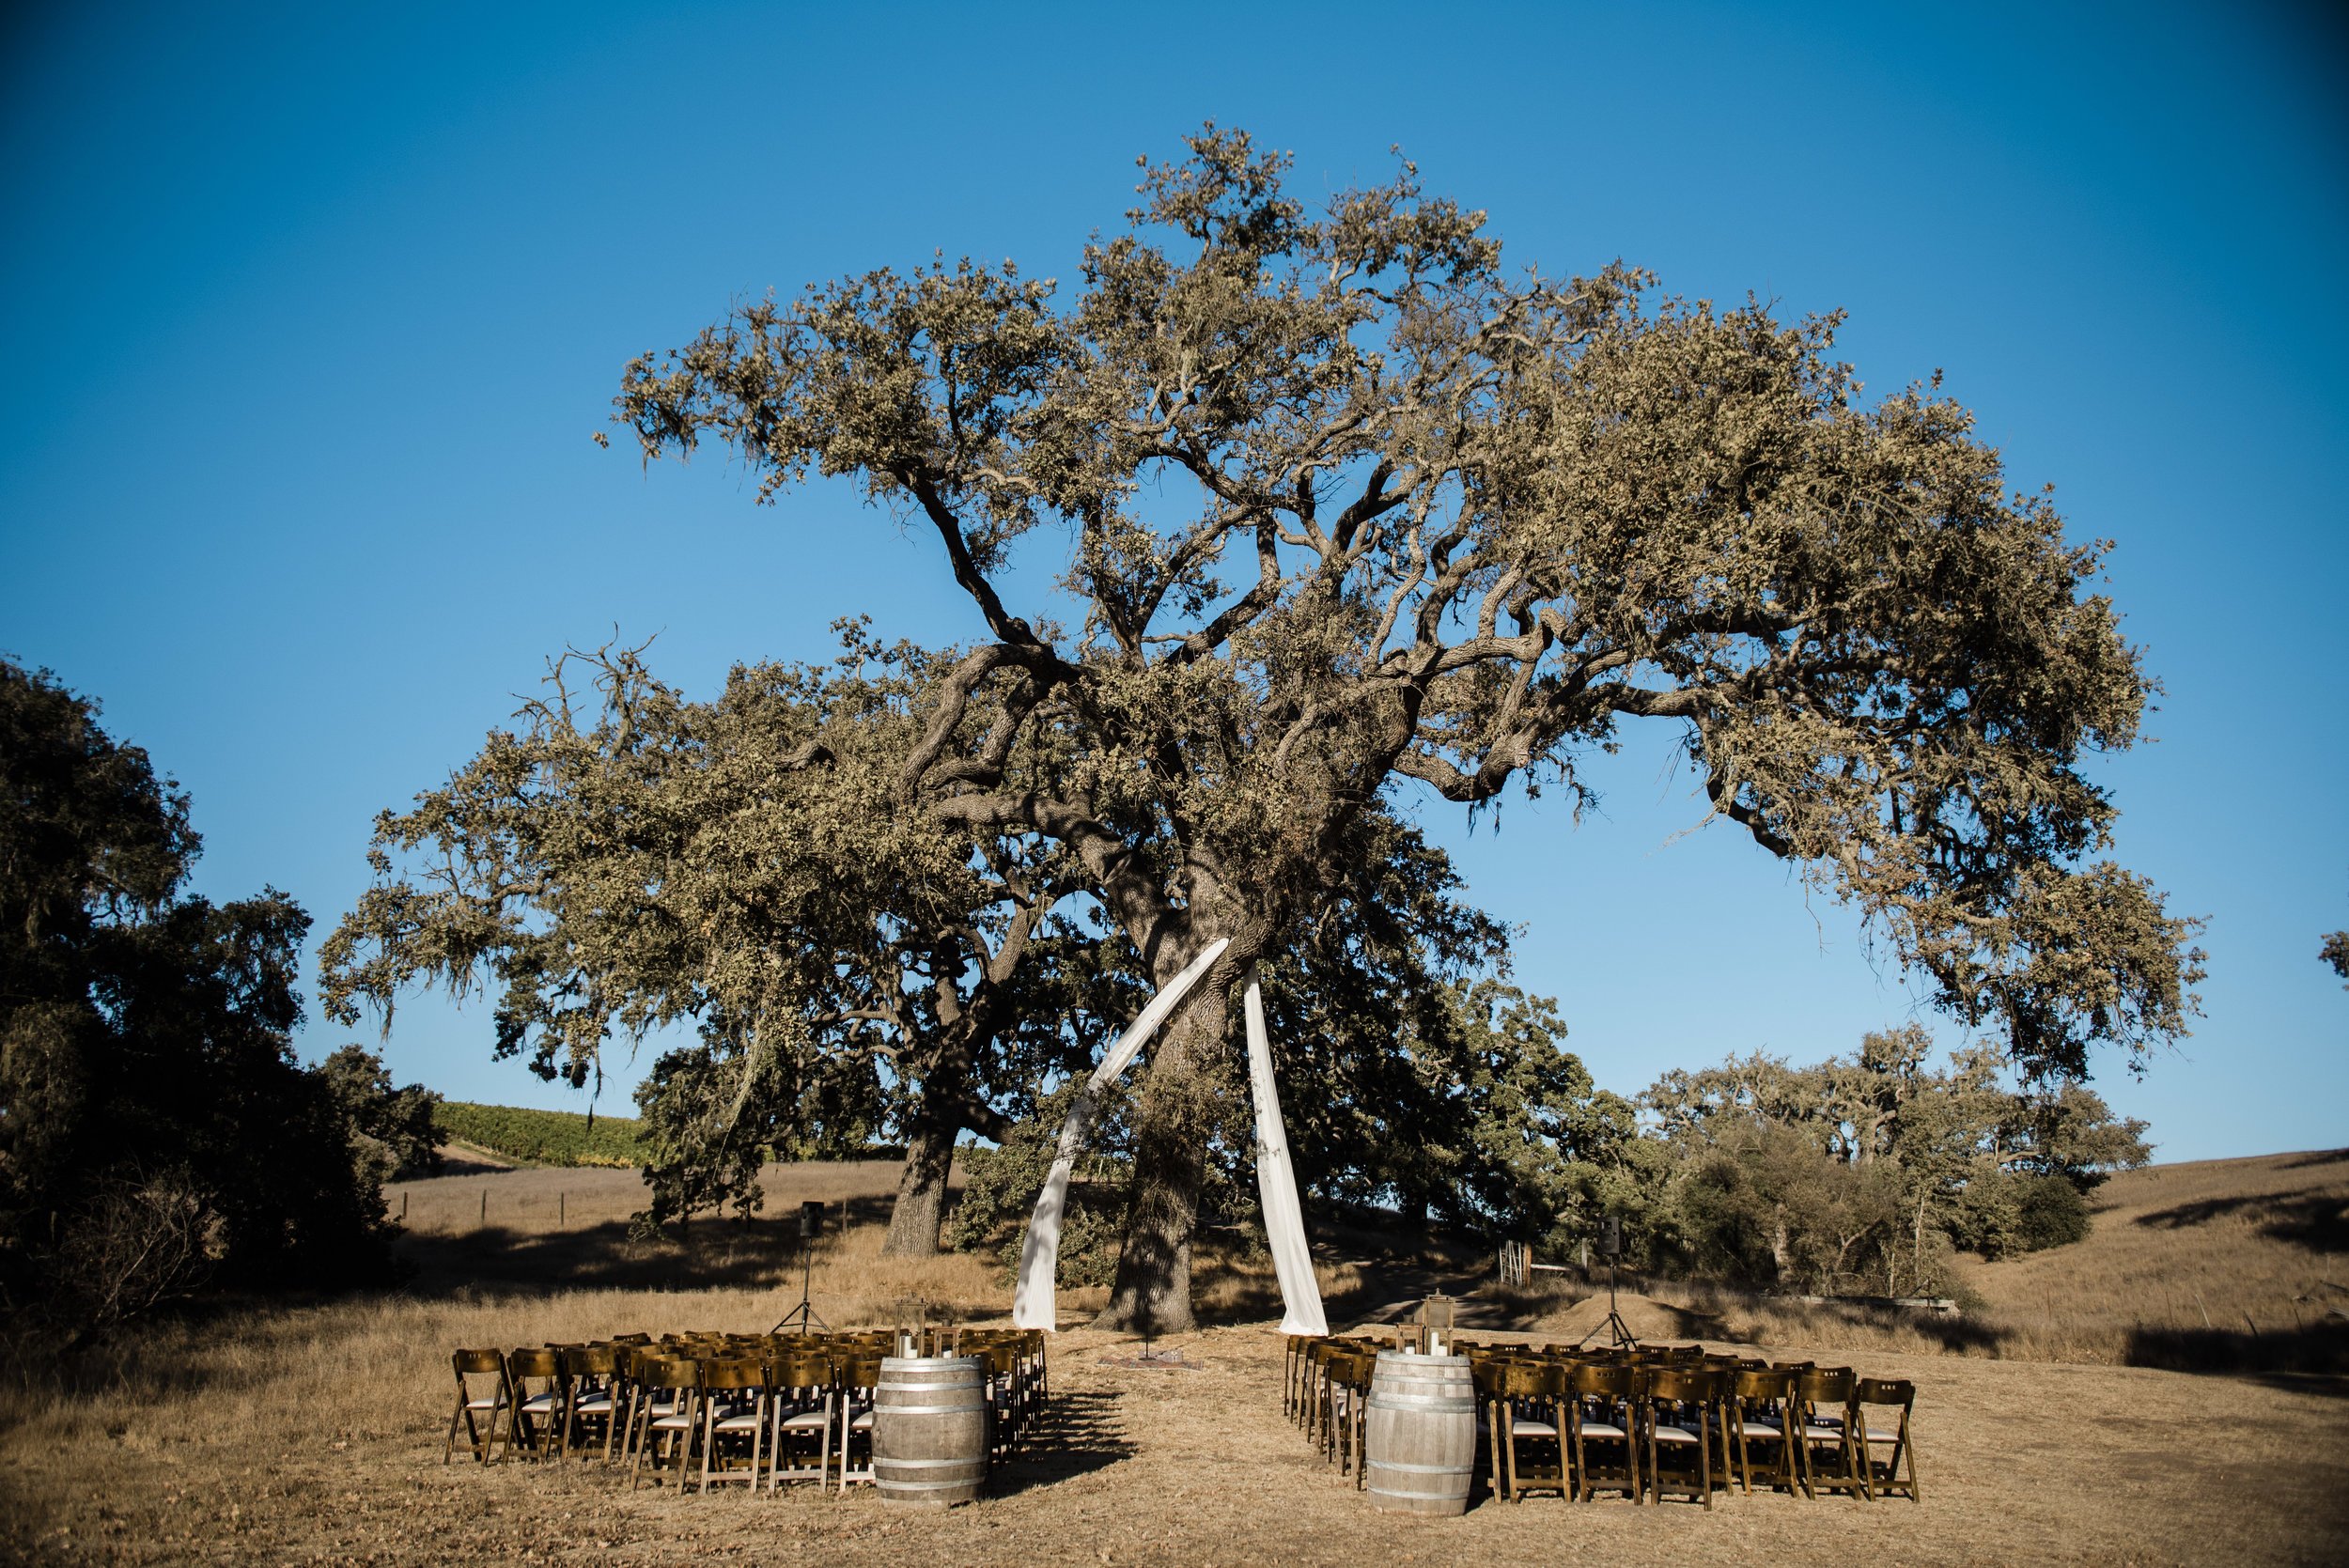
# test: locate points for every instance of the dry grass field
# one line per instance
(2211, 1266)
(314, 1434)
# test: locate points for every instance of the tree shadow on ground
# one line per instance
(1075, 1433)
(2311, 1358)
(762, 1253)
(2318, 1221)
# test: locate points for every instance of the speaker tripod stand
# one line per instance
(1619, 1332)
(810, 1221)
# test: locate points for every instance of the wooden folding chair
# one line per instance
(477, 1404)
(591, 1395)
(1291, 1367)
(1006, 1409)
(1885, 1478)
(804, 1409)
(666, 1407)
(1679, 1420)
(1348, 1378)
(1760, 1404)
(1830, 1453)
(1530, 1432)
(535, 1377)
(735, 1406)
(860, 1384)
(1603, 1412)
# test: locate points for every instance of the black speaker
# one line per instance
(811, 1220)
(1610, 1237)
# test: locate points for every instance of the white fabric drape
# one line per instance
(1276, 1188)
(1032, 1302)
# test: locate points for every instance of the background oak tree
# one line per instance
(1352, 509)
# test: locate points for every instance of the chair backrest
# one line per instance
(1827, 1385)
(591, 1360)
(1748, 1384)
(802, 1370)
(1680, 1384)
(480, 1361)
(1886, 1390)
(533, 1363)
(1597, 1382)
(669, 1372)
(1533, 1380)
(733, 1374)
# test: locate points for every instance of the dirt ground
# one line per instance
(315, 1434)
(2020, 1463)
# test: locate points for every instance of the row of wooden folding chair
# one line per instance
(1684, 1423)
(730, 1407)
(1327, 1385)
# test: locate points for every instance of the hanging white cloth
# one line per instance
(1276, 1188)
(1032, 1302)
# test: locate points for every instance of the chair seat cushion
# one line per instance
(807, 1420)
(1534, 1429)
(1601, 1429)
(491, 1403)
(1665, 1432)
(538, 1403)
(674, 1423)
(593, 1404)
(737, 1423)
(861, 1421)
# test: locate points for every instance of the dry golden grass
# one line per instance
(314, 1434)
(2203, 1260)
(2216, 1265)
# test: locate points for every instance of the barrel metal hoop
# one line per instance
(931, 1463)
(929, 1409)
(933, 1486)
(1377, 1465)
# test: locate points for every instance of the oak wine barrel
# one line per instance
(929, 1430)
(1419, 1436)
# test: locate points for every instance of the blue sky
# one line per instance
(310, 313)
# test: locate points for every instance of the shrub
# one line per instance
(2050, 1212)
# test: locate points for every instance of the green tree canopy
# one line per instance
(1904, 1159)
(1349, 504)
(626, 858)
(154, 1126)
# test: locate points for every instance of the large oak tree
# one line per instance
(1351, 507)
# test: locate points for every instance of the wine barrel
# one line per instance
(1419, 1437)
(929, 1430)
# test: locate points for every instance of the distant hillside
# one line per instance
(2213, 1263)
(539, 1137)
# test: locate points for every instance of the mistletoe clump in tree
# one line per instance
(1350, 508)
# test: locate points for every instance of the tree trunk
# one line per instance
(921, 1206)
(1174, 1120)
(947, 1111)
